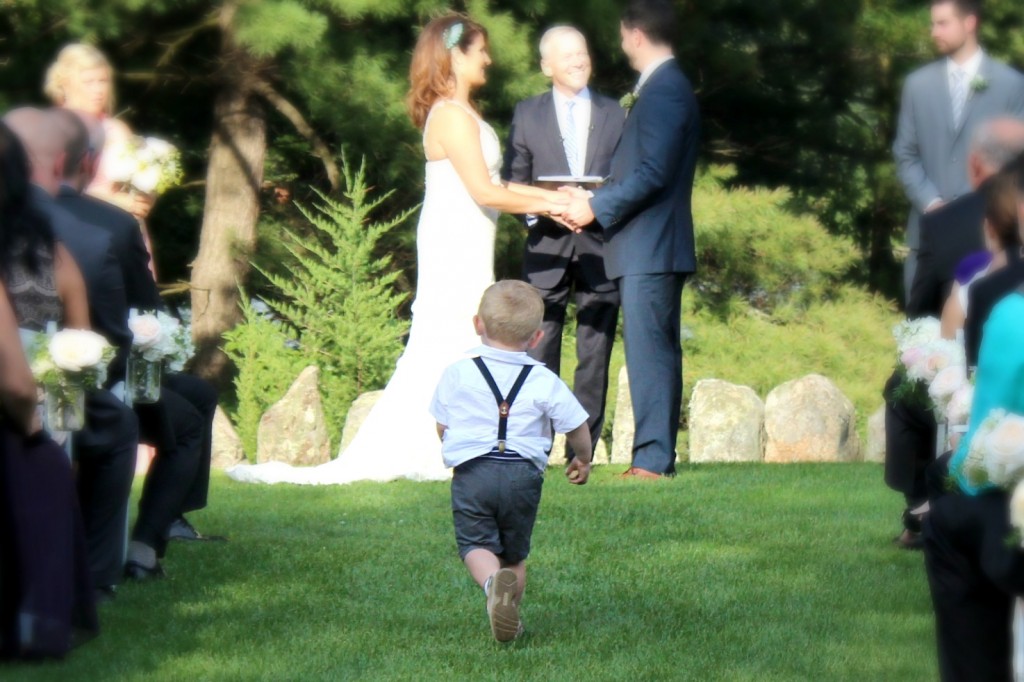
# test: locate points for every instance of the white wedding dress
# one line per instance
(455, 263)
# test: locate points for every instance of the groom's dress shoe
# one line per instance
(133, 570)
(636, 472)
(181, 529)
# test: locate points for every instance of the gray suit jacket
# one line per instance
(931, 153)
(535, 149)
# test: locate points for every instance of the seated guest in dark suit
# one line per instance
(975, 568)
(1002, 243)
(105, 449)
(910, 429)
(951, 232)
(45, 590)
(141, 293)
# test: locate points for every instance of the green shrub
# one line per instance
(752, 247)
(340, 296)
(267, 365)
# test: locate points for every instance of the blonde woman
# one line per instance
(82, 79)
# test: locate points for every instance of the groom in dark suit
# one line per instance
(569, 130)
(648, 228)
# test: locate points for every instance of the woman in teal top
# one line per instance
(1000, 378)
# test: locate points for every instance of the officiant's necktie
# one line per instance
(570, 141)
(959, 95)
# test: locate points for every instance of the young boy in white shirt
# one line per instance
(496, 414)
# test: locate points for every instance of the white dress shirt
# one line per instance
(464, 403)
(970, 69)
(651, 68)
(581, 117)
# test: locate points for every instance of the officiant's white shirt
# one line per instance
(580, 116)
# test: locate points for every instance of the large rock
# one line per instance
(357, 414)
(623, 429)
(726, 423)
(810, 420)
(227, 446)
(294, 430)
(557, 456)
(875, 450)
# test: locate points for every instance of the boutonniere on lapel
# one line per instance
(979, 84)
(628, 100)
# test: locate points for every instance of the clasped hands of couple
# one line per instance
(572, 209)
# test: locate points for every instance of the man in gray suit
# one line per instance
(941, 105)
(569, 130)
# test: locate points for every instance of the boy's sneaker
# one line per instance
(501, 607)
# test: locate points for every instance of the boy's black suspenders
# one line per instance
(504, 403)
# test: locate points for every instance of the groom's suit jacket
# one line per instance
(645, 208)
(535, 150)
(930, 151)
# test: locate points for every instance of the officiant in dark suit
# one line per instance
(569, 131)
(645, 210)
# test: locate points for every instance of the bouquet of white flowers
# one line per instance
(147, 164)
(996, 457)
(159, 342)
(159, 337)
(996, 453)
(65, 365)
(913, 333)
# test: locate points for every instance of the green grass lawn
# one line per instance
(742, 572)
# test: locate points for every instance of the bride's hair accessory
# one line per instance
(452, 35)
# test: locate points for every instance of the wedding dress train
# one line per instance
(455, 263)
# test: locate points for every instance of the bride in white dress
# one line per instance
(454, 256)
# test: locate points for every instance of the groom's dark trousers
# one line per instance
(973, 574)
(646, 214)
(558, 262)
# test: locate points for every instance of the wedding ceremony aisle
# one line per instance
(734, 572)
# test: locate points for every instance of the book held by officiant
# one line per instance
(556, 181)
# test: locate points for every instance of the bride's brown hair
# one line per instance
(430, 74)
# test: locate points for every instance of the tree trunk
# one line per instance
(233, 180)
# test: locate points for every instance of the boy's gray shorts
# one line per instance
(494, 505)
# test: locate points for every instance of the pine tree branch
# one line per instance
(302, 126)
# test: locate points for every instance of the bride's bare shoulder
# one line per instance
(452, 115)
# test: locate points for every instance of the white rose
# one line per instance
(958, 411)
(147, 179)
(146, 329)
(74, 350)
(122, 168)
(946, 383)
(160, 149)
(1017, 509)
(937, 356)
(1004, 451)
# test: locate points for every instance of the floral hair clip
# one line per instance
(452, 35)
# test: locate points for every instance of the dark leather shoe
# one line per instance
(133, 570)
(105, 594)
(181, 529)
(909, 540)
(636, 472)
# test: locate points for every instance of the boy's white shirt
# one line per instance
(464, 403)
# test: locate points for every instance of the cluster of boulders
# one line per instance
(805, 420)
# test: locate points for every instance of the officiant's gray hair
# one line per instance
(997, 142)
(555, 32)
